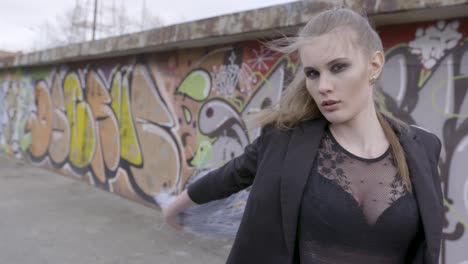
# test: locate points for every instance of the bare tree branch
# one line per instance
(75, 25)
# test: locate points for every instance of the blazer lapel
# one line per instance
(426, 195)
(301, 152)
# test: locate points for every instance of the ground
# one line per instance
(49, 218)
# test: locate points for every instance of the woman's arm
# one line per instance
(232, 177)
(179, 204)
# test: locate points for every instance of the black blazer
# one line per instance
(277, 165)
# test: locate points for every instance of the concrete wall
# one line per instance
(145, 125)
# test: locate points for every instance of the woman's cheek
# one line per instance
(311, 89)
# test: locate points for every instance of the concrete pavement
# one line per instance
(50, 218)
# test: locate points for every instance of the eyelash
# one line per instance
(341, 67)
(308, 74)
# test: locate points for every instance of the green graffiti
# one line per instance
(202, 155)
(423, 76)
(187, 114)
(116, 94)
(40, 74)
(26, 141)
(81, 122)
(196, 85)
(457, 214)
(437, 107)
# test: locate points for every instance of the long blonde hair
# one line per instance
(297, 105)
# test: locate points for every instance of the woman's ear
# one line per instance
(377, 62)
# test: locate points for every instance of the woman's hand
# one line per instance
(170, 214)
(173, 209)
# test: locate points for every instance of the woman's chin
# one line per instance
(335, 117)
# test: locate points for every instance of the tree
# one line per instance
(76, 24)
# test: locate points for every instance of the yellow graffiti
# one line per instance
(129, 147)
(439, 86)
(83, 138)
(116, 94)
(423, 76)
(456, 214)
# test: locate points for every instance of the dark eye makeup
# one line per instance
(335, 68)
(311, 73)
(339, 67)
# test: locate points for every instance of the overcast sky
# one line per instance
(21, 19)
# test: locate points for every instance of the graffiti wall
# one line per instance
(146, 126)
(426, 82)
(141, 126)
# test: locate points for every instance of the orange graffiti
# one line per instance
(39, 122)
(59, 146)
(107, 142)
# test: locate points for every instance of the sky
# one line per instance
(21, 20)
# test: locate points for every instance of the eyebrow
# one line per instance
(329, 63)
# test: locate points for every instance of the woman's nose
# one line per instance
(325, 85)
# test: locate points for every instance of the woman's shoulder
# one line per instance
(273, 135)
(272, 132)
(427, 139)
(406, 130)
(425, 134)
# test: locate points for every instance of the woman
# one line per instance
(333, 179)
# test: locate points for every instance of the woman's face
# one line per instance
(337, 76)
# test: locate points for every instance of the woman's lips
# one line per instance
(330, 105)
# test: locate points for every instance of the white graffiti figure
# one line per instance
(432, 43)
(261, 57)
(226, 77)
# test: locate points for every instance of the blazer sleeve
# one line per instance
(234, 176)
(437, 180)
(433, 148)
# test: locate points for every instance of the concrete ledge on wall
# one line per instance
(253, 24)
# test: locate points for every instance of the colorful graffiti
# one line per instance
(104, 126)
(426, 82)
(17, 97)
(146, 126)
(141, 127)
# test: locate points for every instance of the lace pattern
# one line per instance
(373, 183)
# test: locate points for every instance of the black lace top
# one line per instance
(355, 210)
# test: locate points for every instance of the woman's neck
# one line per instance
(363, 135)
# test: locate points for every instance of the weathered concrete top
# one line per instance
(265, 22)
(7, 58)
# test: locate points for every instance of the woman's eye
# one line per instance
(339, 67)
(311, 74)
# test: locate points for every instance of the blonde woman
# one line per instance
(333, 179)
